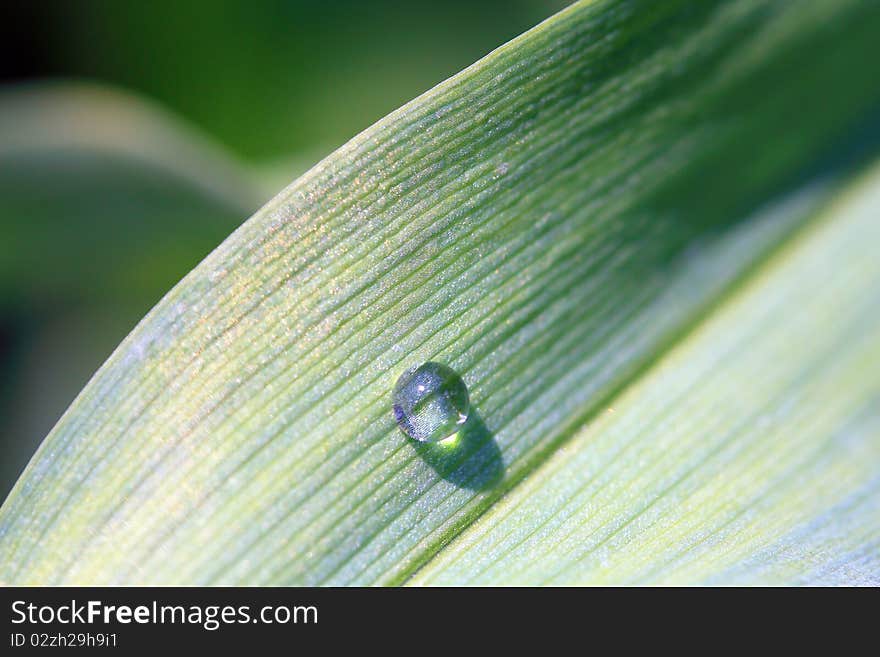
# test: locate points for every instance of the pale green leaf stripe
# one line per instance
(750, 454)
(103, 196)
(59, 117)
(523, 222)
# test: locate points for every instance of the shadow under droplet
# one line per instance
(470, 460)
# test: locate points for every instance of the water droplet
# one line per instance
(430, 402)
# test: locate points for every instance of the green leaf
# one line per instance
(103, 196)
(748, 455)
(549, 222)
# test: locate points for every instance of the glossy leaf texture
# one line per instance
(747, 455)
(549, 223)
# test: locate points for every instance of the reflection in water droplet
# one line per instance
(430, 402)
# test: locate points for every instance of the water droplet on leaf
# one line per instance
(430, 402)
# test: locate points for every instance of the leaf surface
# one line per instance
(748, 455)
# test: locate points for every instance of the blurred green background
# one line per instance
(134, 136)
